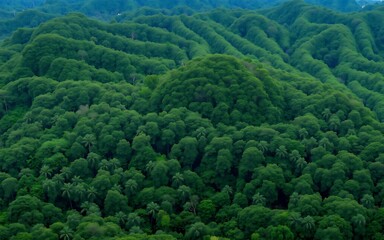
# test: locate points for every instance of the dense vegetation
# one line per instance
(15, 13)
(228, 124)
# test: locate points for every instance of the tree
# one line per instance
(131, 187)
(259, 199)
(206, 209)
(115, 202)
(253, 217)
(197, 231)
(91, 193)
(359, 222)
(186, 151)
(133, 220)
(251, 158)
(10, 186)
(277, 232)
(25, 209)
(45, 171)
(177, 180)
(281, 152)
(159, 173)
(67, 190)
(66, 233)
(184, 192)
(191, 205)
(368, 201)
(224, 162)
(88, 141)
(122, 218)
(330, 233)
(227, 190)
(152, 210)
(326, 113)
(308, 224)
(93, 161)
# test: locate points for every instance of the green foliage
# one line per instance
(226, 124)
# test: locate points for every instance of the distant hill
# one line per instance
(13, 13)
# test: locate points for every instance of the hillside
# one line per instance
(16, 13)
(224, 124)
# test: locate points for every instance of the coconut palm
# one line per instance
(88, 141)
(45, 171)
(91, 193)
(258, 199)
(66, 233)
(281, 152)
(131, 186)
(178, 179)
(308, 223)
(262, 146)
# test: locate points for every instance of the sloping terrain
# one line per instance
(26, 13)
(229, 123)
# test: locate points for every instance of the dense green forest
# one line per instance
(30, 13)
(223, 124)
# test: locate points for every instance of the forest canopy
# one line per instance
(222, 124)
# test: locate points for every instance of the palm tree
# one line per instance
(79, 192)
(50, 189)
(184, 192)
(91, 193)
(93, 160)
(131, 186)
(76, 180)
(122, 217)
(116, 187)
(358, 221)
(89, 140)
(66, 233)
(114, 163)
(295, 220)
(152, 210)
(294, 199)
(308, 223)
(66, 172)
(368, 201)
(281, 152)
(258, 199)
(196, 231)
(300, 164)
(49, 185)
(262, 146)
(200, 132)
(326, 113)
(104, 165)
(228, 190)
(85, 206)
(46, 171)
(325, 143)
(303, 133)
(178, 179)
(67, 192)
(133, 220)
(26, 172)
(149, 166)
(334, 122)
(294, 156)
(58, 179)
